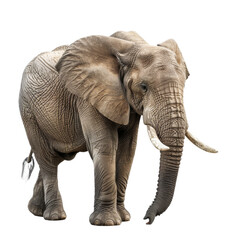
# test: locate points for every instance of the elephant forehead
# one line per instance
(168, 71)
(159, 73)
(156, 65)
(149, 55)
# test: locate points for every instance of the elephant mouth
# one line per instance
(160, 146)
(155, 140)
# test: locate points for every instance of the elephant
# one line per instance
(89, 96)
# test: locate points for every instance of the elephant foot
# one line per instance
(55, 212)
(105, 218)
(124, 214)
(36, 209)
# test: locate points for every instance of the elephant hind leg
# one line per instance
(46, 200)
(36, 204)
(52, 197)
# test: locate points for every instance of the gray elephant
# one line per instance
(89, 96)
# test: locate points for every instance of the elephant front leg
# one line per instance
(125, 154)
(102, 140)
(122, 178)
(105, 210)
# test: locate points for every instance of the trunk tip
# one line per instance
(150, 221)
(150, 218)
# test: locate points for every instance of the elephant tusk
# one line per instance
(199, 144)
(155, 140)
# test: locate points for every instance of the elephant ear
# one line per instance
(172, 45)
(89, 68)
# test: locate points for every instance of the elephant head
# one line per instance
(117, 75)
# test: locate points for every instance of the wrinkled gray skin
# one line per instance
(89, 96)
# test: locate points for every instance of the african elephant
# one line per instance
(89, 96)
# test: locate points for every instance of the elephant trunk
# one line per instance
(167, 127)
(171, 132)
(170, 161)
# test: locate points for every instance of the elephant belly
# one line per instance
(69, 136)
(68, 150)
(64, 132)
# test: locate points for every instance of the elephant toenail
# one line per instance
(54, 216)
(109, 223)
(118, 222)
(97, 222)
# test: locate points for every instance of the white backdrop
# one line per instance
(206, 201)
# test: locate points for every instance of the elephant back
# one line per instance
(40, 74)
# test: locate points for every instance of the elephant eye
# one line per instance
(143, 87)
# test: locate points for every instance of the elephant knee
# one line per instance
(104, 149)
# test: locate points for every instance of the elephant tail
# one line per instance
(28, 166)
(30, 158)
